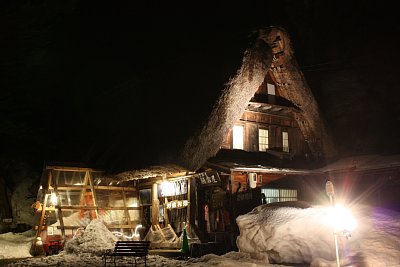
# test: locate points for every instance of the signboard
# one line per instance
(208, 178)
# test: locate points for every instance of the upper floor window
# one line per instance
(262, 139)
(271, 89)
(285, 142)
(238, 137)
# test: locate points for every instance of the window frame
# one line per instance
(265, 138)
(234, 144)
(285, 141)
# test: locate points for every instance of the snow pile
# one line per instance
(229, 259)
(294, 235)
(285, 234)
(96, 239)
(16, 245)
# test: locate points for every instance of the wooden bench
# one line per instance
(129, 249)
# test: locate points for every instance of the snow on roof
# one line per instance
(364, 163)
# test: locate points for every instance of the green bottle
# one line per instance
(185, 243)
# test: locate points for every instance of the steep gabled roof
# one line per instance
(294, 87)
(270, 49)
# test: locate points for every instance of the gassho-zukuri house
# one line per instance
(263, 142)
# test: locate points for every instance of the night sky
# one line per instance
(118, 85)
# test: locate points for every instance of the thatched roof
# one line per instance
(230, 106)
(169, 170)
(270, 50)
(287, 74)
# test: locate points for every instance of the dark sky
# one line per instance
(116, 84)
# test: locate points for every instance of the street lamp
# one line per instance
(330, 191)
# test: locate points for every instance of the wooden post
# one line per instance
(83, 193)
(155, 204)
(89, 177)
(59, 212)
(128, 217)
(188, 206)
(43, 213)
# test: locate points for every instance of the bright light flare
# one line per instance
(341, 218)
(53, 199)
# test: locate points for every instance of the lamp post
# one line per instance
(330, 191)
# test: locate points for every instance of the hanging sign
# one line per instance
(177, 204)
(208, 178)
(172, 188)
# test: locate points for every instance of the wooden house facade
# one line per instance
(268, 124)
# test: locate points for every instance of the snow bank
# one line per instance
(295, 235)
(285, 234)
(16, 245)
(95, 239)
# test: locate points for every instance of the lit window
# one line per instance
(278, 195)
(285, 142)
(271, 89)
(262, 140)
(237, 137)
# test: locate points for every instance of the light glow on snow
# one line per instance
(340, 218)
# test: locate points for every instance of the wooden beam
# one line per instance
(74, 227)
(81, 207)
(97, 187)
(71, 169)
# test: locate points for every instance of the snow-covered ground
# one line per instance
(270, 236)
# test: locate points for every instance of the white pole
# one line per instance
(331, 193)
(335, 237)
